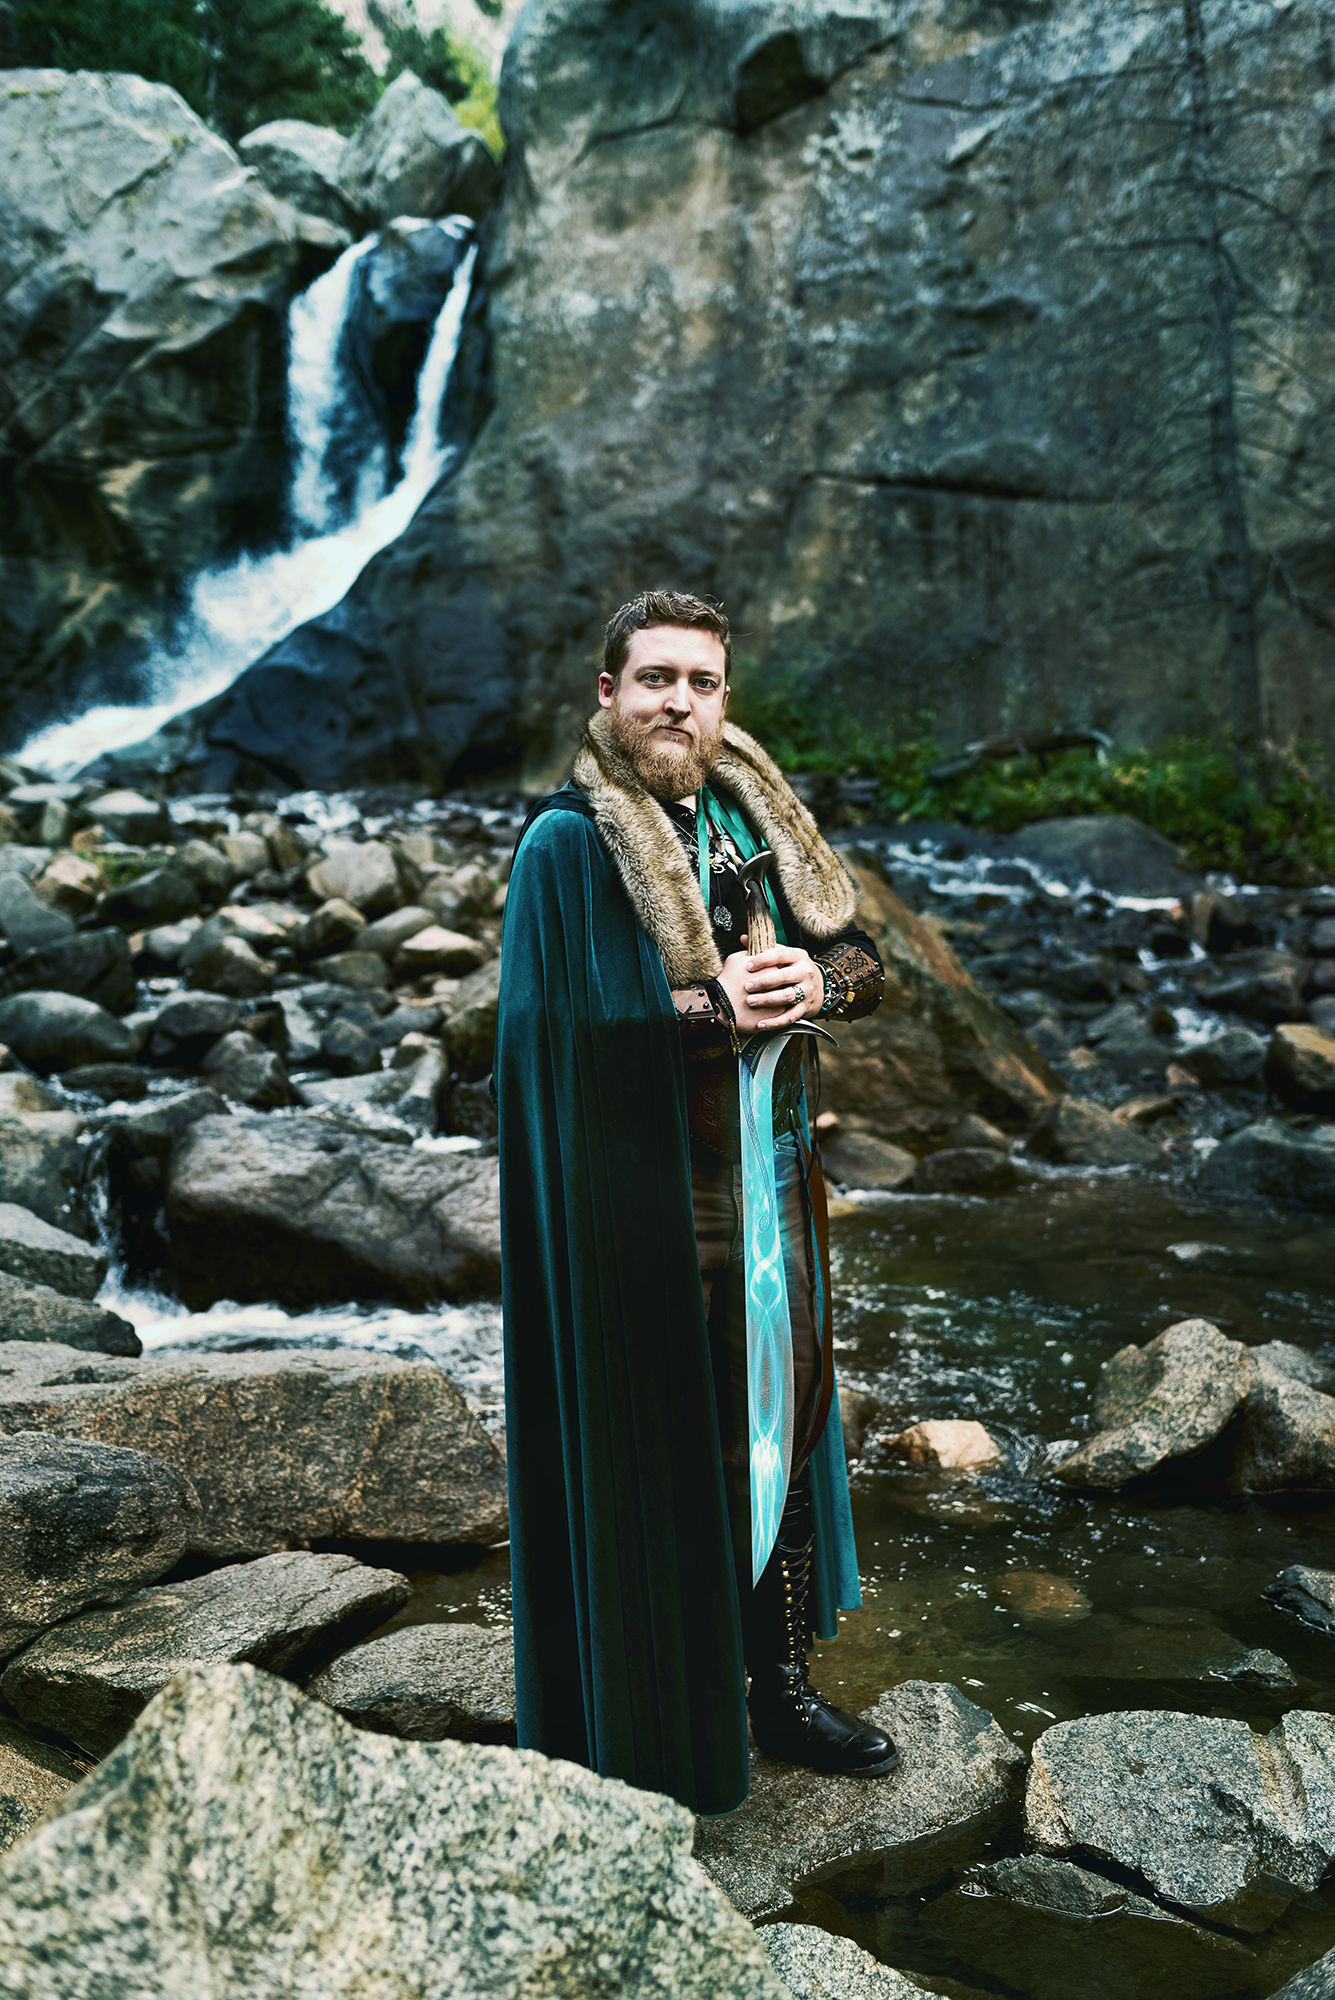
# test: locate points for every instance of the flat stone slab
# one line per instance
(244, 1840)
(33, 1776)
(956, 1787)
(290, 1209)
(1053, 1931)
(1308, 1593)
(1277, 1161)
(1314, 1982)
(285, 1448)
(1288, 1424)
(425, 1682)
(813, 1965)
(35, 1312)
(1218, 1821)
(82, 1524)
(33, 1249)
(90, 1677)
(1160, 1402)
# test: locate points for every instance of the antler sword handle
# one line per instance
(760, 935)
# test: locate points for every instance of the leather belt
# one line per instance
(713, 1102)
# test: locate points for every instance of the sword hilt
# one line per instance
(760, 933)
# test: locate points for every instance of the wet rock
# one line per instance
(335, 924)
(937, 1047)
(1141, 1112)
(1308, 1593)
(93, 1675)
(468, 1028)
(243, 1070)
(41, 1163)
(33, 1249)
(26, 921)
(211, 872)
(225, 965)
(112, 1082)
(36, 1312)
(247, 851)
(1091, 977)
(1081, 1133)
(72, 884)
(438, 950)
(301, 1031)
(33, 1776)
(1035, 1595)
(1219, 1822)
(974, 1131)
(813, 1965)
(1161, 1402)
(1274, 1160)
(22, 1093)
(95, 964)
(426, 1682)
(348, 1050)
(1237, 1056)
(388, 933)
(413, 157)
(361, 873)
(1271, 992)
(1110, 851)
(966, 1170)
(82, 1524)
(163, 896)
(860, 1160)
(283, 1448)
(1183, 1653)
(292, 1211)
(299, 163)
(945, 1444)
(483, 1869)
(129, 817)
(1301, 1066)
(159, 951)
(857, 1411)
(1314, 1982)
(187, 1028)
(360, 971)
(54, 1031)
(954, 1789)
(1052, 1929)
(1288, 1423)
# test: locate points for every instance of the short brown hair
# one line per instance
(663, 607)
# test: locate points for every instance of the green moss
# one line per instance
(1271, 817)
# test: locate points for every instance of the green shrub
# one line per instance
(1269, 817)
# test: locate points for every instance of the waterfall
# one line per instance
(239, 611)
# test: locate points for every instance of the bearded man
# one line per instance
(678, 1491)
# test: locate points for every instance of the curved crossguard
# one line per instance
(760, 934)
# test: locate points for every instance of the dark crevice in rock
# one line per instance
(617, 132)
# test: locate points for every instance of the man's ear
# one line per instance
(606, 690)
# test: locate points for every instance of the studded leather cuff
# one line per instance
(854, 980)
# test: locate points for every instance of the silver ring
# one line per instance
(799, 993)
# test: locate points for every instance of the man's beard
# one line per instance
(665, 773)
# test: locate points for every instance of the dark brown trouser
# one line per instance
(716, 1196)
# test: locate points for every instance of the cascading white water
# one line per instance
(238, 612)
(315, 332)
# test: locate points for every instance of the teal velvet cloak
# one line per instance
(628, 1654)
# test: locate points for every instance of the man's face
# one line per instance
(666, 711)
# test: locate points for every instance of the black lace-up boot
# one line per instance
(789, 1720)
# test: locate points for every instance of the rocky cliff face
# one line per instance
(143, 274)
(888, 323)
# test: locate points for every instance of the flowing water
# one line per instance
(239, 611)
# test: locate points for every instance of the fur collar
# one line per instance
(663, 887)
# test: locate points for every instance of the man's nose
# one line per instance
(678, 702)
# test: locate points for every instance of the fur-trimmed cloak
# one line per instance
(628, 1653)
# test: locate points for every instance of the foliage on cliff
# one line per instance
(238, 63)
(1270, 815)
(445, 63)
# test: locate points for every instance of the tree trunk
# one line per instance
(1233, 566)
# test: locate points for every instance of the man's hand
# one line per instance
(764, 990)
